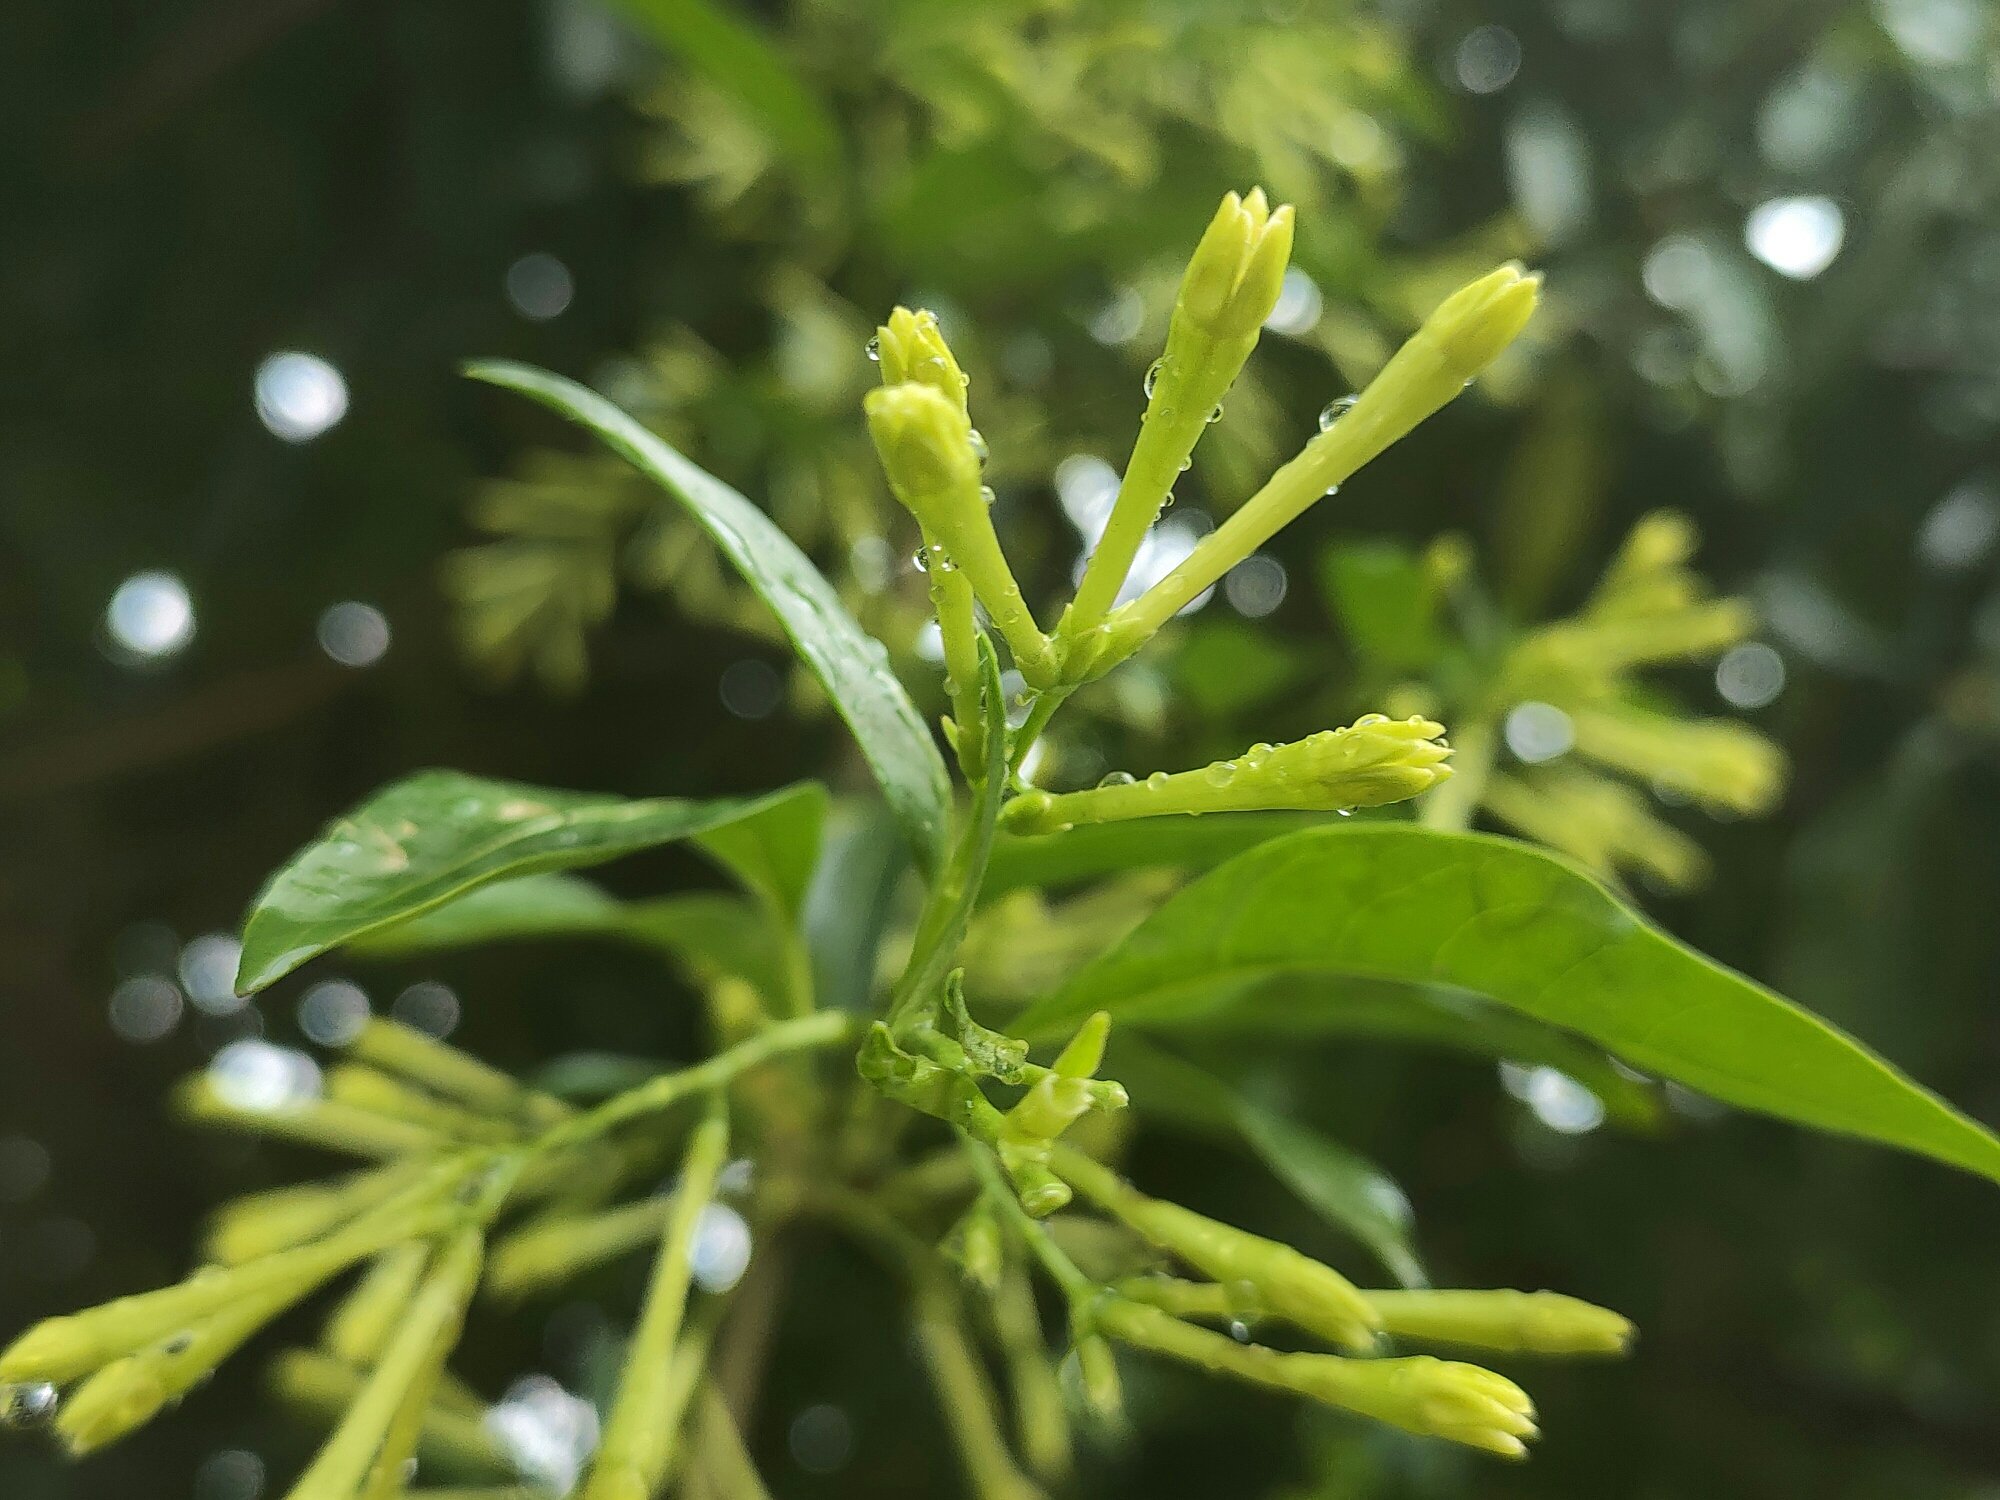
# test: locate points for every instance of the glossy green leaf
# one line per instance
(1532, 932)
(708, 934)
(1051, 860)
(1298, 1006)
(773, 851)
(852, 665)
(437, 835)
(1347, 1190)
(850, 901)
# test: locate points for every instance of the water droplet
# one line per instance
(978, 441)
(875, 347)
(1345, 812)
(1256, 755)
(1216, 415)
(1239, 1330)
(1117, 778)
(1367, 719)
(1168, 501)
(1332, 489)
(1157, 780)
(922, 562)
(1186, 464)
(1333, 412)
(28, 1405)
(986, 494)
(1153, 376)
(1221, 773)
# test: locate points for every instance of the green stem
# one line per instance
(823, 1029)
(968, 1401)
(1077, 1287)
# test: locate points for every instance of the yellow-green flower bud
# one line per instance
(1230, 287)
(1454, 344)
(1292, 1286)
(381, 1429)
(1718, 761)
(1097, 1369)
(912, 348)
(1197, 1299)
(61, 1349)
(378, 1093)
(396, 1048)
(925, 444)
(311, 1122)
(643, 1430)
(367, 1316)
(129, 1392)
(1506, 1322)
(260, 1223)
(551, 1250)
(1375, 760)
(322, 1388)
(1431, 1397)
(1603, 823)
(1232, 283)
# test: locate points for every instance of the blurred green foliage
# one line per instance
(740, 194)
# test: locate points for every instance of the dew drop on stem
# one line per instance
(1333, 412)
(875, 348)
(979, 449)
(1116, 778)
(1153, 376)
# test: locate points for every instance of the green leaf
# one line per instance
(1294, 1006)
(850, 902)
(1047, 861)
(437, 835)
(1228, 665)
(739, 60)
(708, 934)
(1532, 932)
(1379, 593)
(852, 665)
(773, 851)
(1344, 1188)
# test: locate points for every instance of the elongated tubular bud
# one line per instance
(322, 1387)
(363, 1322)
(1196, 1299)
(1097, 1371)
(1039, 1418)
(1373, 762)
(127, 1393)
(396, 1048)
(312, 1122)
(550, 1251)
(926, 450)
(1294, 1287)
(363, 1447)
(1506, 1322)
(1431, 1397)
(61, 1349)
(1454, 344)
(378, 1093)
(258, 1224)
(639, 1442)
(1717, 760)
(966, 1399)
(912, 349)
(1230, 286)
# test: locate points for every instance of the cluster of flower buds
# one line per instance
(460, 1146)
(1565, 699)
(933, 456)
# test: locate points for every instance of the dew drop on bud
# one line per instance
(29, 1405)
(1168, 501)
(1117, 778)
(1153, 376)
(875, 347)
(1334, 411)
(1157, 780)
(1221, 773)
(978, 441)
(1186, 464)
(1216, 415)
(986, 494)
(922, 561)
